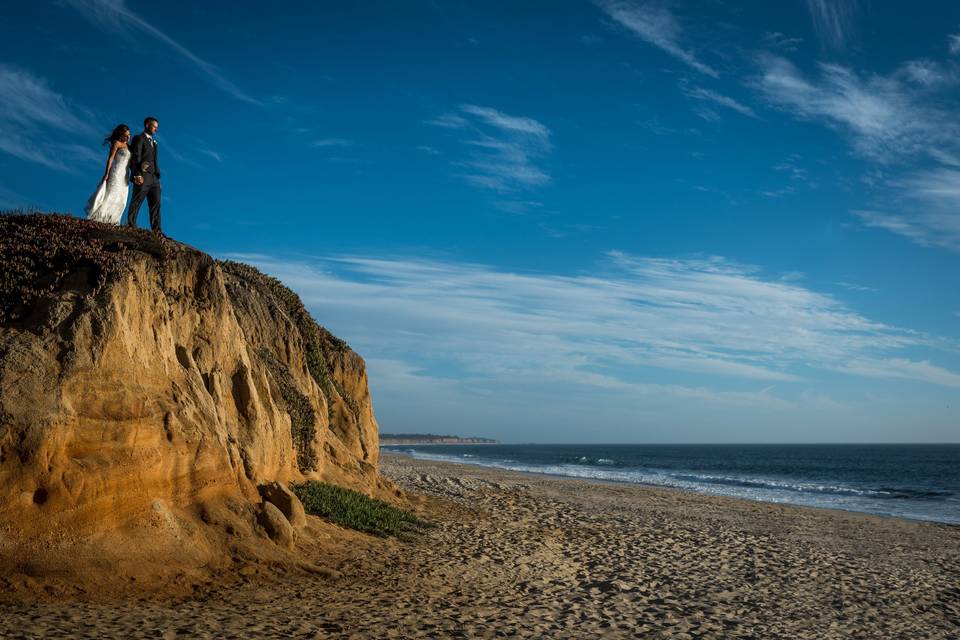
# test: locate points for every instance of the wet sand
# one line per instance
(516, 555)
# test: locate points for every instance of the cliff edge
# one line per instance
(147, 391)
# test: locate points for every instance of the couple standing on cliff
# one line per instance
(129, 161)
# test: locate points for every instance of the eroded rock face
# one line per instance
(135, 374)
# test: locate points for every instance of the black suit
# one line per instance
(144, 149)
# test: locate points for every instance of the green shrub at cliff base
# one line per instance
(356, 511)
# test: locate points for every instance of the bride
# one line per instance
(107, 202)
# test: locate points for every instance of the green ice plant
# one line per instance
(356, 511)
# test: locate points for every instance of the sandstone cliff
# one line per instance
(148, 390)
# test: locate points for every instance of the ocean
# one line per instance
(917, 481)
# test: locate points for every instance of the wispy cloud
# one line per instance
(210, 153)
(517, 207)
(114, 16)
(833, 20)
(935, 186)
(899, 368)
(857, 287)
(29, 111)
(931, 200)
(189, 150)
(778, 193)
(657, 128)
(791, 166)
(699, 93)
(503, 151)
(930, 229)
(504, 122)
(655, 24)
(621, 327)
(448, 121)
(798, 176)
(902, 119)
(928, 73)
(885, 117)
(172, 151)
(331, 142)
(953, 44)
(777, 40)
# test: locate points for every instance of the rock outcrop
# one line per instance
(286, 501)
(148, 390)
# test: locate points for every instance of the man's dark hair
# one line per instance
(150, 119)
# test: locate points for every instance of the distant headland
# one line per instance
(430, 438)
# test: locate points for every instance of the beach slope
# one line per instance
(516, 555)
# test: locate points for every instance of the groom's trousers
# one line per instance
(150, 191)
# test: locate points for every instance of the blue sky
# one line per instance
(609, 221)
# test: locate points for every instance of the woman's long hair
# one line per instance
(119, 133)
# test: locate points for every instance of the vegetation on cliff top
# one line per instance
(357, 511)
(43, 253)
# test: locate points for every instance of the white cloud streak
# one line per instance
(699, 93)
(781, 41)
(331, 142)
(114, 16)
(900, 368)
(655, 25)
(885, 119)
(932, 196)
(448, 121)
(852, 286)
(210, 153)
(512, 124)
(614, 329)
(953, 44)
(928, 74)
(503, 152)
(889, 120)
(29, 111)
(190, 152)
(833, 20)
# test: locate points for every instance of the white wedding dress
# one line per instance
(108, 201)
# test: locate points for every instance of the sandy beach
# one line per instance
(516, 555)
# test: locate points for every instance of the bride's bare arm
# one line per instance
(113, 152)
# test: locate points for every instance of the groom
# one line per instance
(145, 174)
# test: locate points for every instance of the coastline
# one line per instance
(824, 479)
(666, 562)
(430, 444)
(653, 486)
(527, 556)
